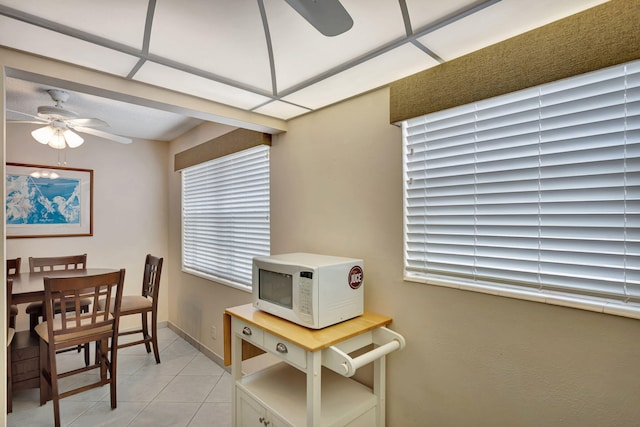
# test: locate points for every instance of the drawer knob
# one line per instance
(281, 348)
(246, 331)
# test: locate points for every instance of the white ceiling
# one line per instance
(256, 55)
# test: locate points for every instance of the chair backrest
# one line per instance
(70, 328)
(70, 262)
(13, 266)
(151, 278)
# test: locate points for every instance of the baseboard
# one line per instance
(198, 345)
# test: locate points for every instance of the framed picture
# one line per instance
(48, 201)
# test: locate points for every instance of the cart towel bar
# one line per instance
(339, 361)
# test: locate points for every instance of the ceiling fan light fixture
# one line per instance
(57, 140)
(73, 139)
(43, 135)
(57, 137)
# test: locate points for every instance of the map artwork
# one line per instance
(33, 200)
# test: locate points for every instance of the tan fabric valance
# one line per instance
(232, 142)
(600, 37)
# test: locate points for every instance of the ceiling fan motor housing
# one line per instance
(57, 112)
(60, 96)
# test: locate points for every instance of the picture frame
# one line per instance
(48, 201)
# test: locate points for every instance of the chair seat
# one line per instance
(10, 334)
(129, 303)
(36, 307)
(41, 330)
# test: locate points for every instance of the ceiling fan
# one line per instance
(327, 16)
(61, 124)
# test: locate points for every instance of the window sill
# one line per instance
(219, 280)
(598, 305)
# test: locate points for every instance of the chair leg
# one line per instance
(154, 337)
(145, 331)
(85, 346)
(113, 364)
(9, 382)
(49, 379)
(33, 321)
(56, 407)
(53, 378)
(86, 354)
(45, 386)
(102, 347)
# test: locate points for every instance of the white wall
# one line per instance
(130, 211)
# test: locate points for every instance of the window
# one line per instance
(533, 194)
(225, 216)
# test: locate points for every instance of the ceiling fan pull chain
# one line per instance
(62, 153)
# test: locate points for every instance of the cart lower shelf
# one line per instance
(280, 392)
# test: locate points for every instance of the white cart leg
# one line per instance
(236, 373)
(380, 389)
(314, 388)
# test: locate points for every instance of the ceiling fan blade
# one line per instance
(102, 134)
(38, 120)
(327, 16)
(87, 122)
(26, 121)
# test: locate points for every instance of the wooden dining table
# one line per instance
(29, 287)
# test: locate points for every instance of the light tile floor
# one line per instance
(186, 389)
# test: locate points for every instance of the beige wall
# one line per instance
(196, 304)
(471, 359)
(130, 212)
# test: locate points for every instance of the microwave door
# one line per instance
(276, 288)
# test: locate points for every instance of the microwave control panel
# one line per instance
(305, 284)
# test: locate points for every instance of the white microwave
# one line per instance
(311, 290)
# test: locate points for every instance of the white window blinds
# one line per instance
(538, 189)
(225, 216)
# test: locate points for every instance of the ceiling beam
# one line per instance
(47, 71)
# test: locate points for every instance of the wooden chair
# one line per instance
(13, 268)
(35, 310)
(10, 334)
(69, 329)
(144, 304)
